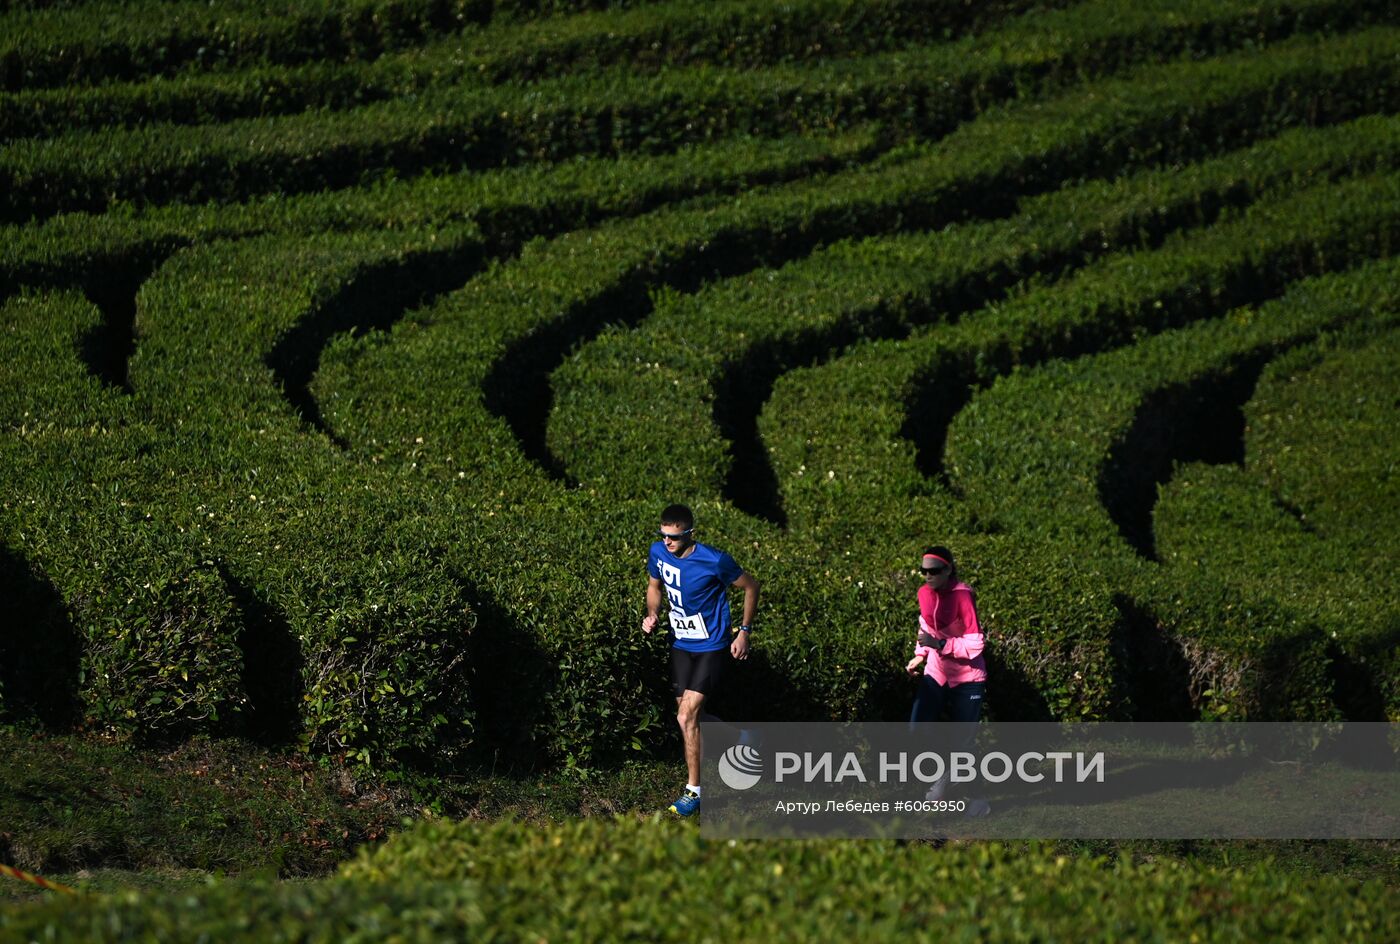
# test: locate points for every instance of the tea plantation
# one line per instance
(350, 348)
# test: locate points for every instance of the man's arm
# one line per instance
(654, 596)
(739, 648)
(750, 588)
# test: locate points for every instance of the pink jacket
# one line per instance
(951, 614)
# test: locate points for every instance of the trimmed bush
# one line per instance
(96, 42)
(450, 880)
(380, 629)
(512, 205)
(155, 626)
(707, 360)
(382, 624)
(332, 406)
(1106, 431)
(1009, 476)
(424, 382)
(609, 113)
(1194, 274)
(1306, 541)
(730, 33)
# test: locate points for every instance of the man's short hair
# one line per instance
(678, 514)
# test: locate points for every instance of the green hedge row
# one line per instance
(1327, 468)
(147, 627)
(325, 912)
(730, 34)
(96, 42)
(836, 438)
(708, 359)
(1299, 525)
(607, 113)
(360, 631)
(1105, 427)
(352, 573)
(346, 574)
(867, 437)
(138, 38)
(511, 205)
(584, 189)
(423, 382)
(1196, 273)
(554, 575)
(588, 275)
(618, 879)
(267, 90)
(730, 335)
(588, 691)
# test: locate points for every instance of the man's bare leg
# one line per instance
(689, 711)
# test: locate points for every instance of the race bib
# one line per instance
(688, 627)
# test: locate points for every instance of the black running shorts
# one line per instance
(698, 671)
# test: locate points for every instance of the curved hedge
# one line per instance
(382, 624)
(1338, 472)
(1029, 498)
(612, 112)
(598, 275)
(511, 205)
(706, 360)
(1309, 501)
(876, 438)
(1106, 429)
(332, 404)
(423, 382)
(156, 627)
(1194, 274)
(64, 45)
(373, 631)
(732, 34)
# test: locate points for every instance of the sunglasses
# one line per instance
(934, 571)
(675, 537)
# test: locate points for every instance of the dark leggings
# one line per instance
(962, 704)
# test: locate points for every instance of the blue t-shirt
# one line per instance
(696, 587)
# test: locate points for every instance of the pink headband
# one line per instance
(928, 557)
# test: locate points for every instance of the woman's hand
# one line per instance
(915, 664)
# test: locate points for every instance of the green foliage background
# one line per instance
(348, 349)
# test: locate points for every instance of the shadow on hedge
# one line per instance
(112, 286)
(1150, 670)
(374, 300)
(39, 649)
(272, 668)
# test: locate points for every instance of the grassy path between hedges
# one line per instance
(110, 819)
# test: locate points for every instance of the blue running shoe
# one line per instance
(687, 805)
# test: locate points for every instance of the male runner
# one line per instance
(694, 579)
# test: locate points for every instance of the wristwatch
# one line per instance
(745, 629)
